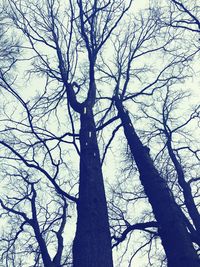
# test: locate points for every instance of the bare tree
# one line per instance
(167, 125)
(172, 227)
(35, 225)
(169, 216)
(89, 25)
(185, 15)
(86, 59)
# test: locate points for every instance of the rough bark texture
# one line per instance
(172, 229)
(92, 243)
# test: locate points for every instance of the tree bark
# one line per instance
(92, 243)
(187, 193)
(172, 229)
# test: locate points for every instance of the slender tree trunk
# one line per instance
(172, 229)
(92, 243)
(43, 248)
(187, 193)
(41, 242)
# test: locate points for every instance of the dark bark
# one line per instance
(187, 193)
(92, 243)
(172, 229)
(138, 226)
(44, 252)
(41, 242)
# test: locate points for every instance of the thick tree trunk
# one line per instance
(172, 229)
(92, 243)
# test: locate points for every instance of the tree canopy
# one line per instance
(99, 133)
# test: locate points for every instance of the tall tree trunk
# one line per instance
(187, 192)
(92, 243)
(172, 229)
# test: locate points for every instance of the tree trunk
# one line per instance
(43, 248)
(187, 193)
(172, 229)
(92, 243)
